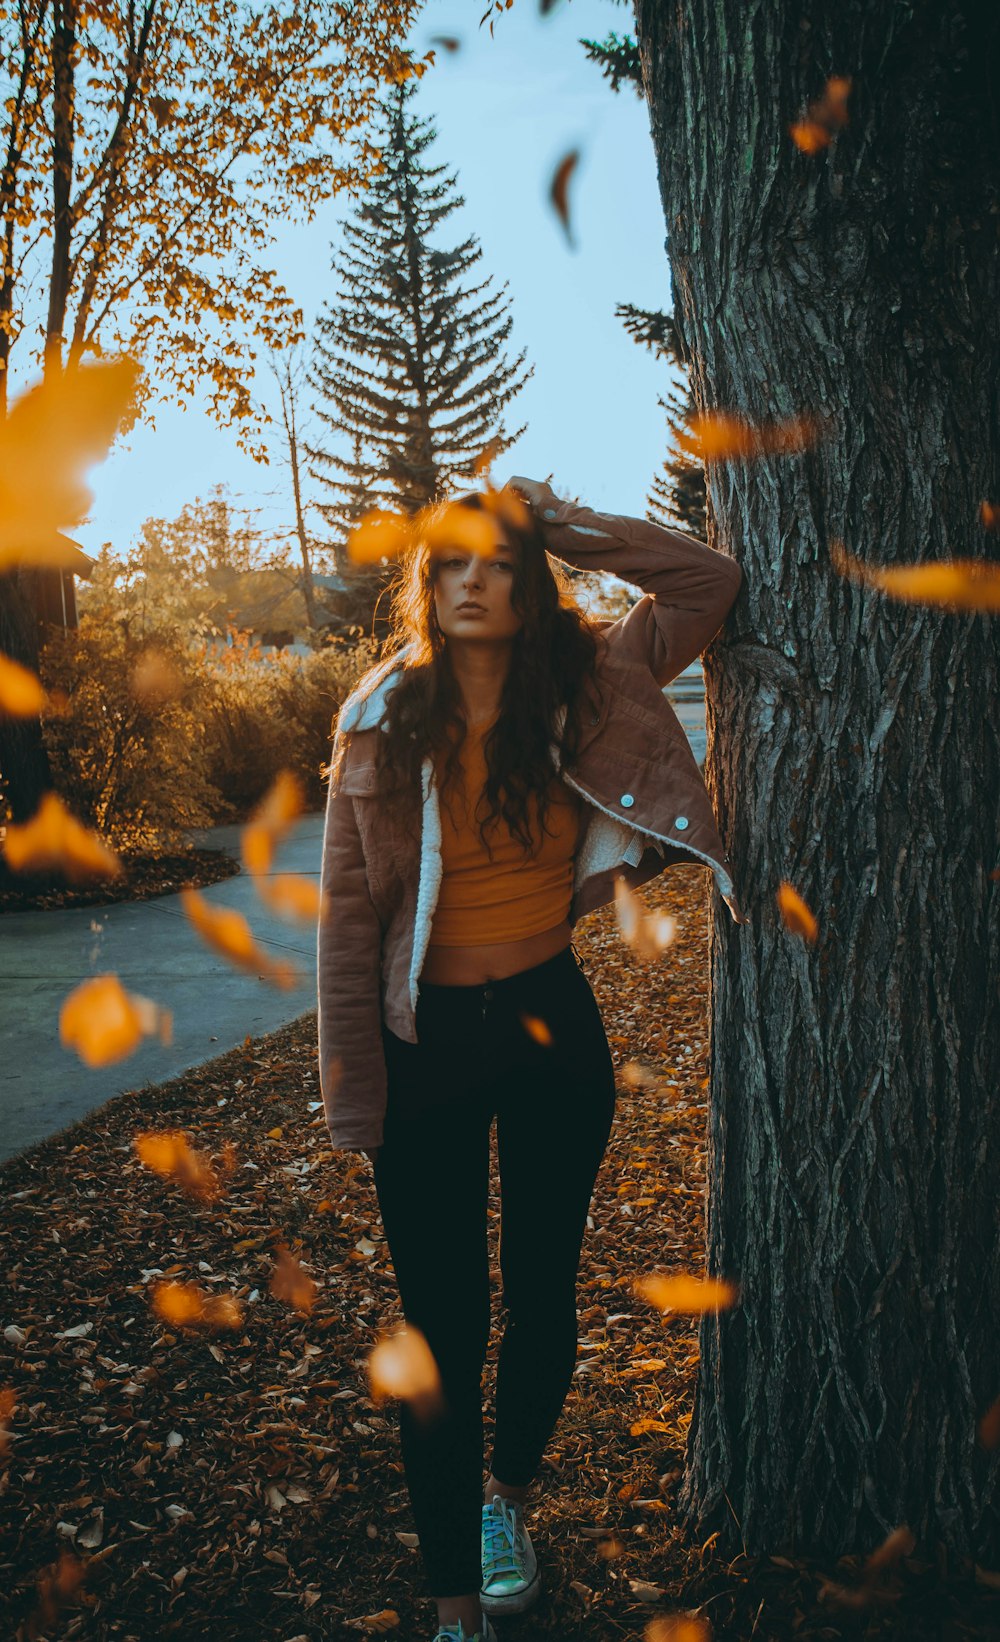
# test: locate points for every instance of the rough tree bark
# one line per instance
(853, 749)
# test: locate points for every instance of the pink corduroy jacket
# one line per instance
(647, 805)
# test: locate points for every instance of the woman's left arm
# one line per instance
(691, 587)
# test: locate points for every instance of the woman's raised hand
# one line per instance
(532, 491)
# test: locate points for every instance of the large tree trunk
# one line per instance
(854, 749)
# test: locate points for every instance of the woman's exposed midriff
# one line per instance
(475, 965)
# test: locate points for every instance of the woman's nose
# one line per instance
(473, 574)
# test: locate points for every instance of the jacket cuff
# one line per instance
(341, 1142)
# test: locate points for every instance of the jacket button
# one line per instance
(681, 822)
(549, 513)
(626, 800)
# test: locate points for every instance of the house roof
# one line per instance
(61, 553)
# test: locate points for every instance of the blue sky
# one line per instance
(505, 109)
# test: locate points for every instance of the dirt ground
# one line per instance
(158, 1479)
(144, 877)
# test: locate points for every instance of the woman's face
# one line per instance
(472, 595)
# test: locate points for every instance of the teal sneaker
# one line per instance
(455, 1633)
(510, 1569)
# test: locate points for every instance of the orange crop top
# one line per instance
(514, 895)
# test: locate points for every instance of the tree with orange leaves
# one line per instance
(143, 149)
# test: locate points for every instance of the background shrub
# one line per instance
(144, 769)
(129, 765)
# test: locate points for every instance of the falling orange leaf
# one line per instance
(610, 1548)
(989, 1426)
(54, 841)
(487, 456)
(899, 1543)
(559, 189)
(271, 822)
(795, 914)
(448, 41)
(187, 1306)
(451, 527)
(56, 1586)
(956, 584)
(53, 433)
(104, 1023)
(169, 1153)
(402, 1365)
(154, 678)
(677, 1628)
(379, 535)
(509, 507)
(21, 691)
(292, 896)
(228, 933)
(989, 514)
(720, 436)
(8, 1403)
(647, 933)
(686, 1293)
(636, 1076)
(289, 1282)
(537, 1029)
(827, 115)
(810, 136)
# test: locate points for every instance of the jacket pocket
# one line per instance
(357, 777)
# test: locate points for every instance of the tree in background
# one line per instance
(289, 373)
(410, 365)
(208, 570)
(144, 149)
(851, 274)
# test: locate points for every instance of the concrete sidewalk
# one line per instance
(153, 949)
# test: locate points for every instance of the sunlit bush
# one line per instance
(160, 735)
(268, 712)
(128, 762)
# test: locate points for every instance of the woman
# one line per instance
(490, 781)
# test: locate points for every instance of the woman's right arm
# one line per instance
(349, 940)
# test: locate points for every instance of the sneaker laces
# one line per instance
(501, 1529)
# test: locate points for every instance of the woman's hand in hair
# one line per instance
(533, 491)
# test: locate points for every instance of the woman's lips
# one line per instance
(470, 610)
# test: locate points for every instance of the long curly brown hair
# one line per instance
(554, 652)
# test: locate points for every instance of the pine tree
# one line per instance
(410, 368)
(678, 496)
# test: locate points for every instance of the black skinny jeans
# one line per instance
(554, 1105)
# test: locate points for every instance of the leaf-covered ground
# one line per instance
(144, 877)
(240, 1485)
